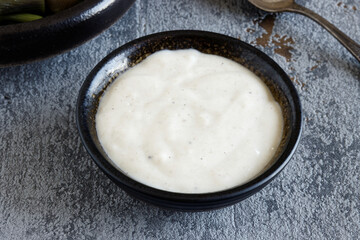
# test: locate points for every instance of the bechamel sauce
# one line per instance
(189, 122)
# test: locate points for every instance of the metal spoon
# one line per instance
(291, 6)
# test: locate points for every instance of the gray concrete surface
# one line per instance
(51, 189)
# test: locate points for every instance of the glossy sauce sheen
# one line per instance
(189, 122)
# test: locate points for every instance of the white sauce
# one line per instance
(189, 122)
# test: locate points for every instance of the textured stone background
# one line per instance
(51, 189)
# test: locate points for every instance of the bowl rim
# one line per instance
(53, 19)
(23, 43)
(200, 198)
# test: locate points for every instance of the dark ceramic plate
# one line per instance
(134, 52)
(26, 42)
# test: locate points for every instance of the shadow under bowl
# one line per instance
(26, 42)
(134, 52)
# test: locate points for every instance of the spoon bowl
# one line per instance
(291, 6)
(272, 5)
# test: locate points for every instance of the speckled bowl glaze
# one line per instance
(25, 42)
(134, 52)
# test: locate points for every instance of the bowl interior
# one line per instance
(134, 52)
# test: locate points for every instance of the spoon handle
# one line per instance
(350, 44)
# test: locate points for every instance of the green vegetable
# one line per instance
(20, 17)
(28, 10)
(22, 6)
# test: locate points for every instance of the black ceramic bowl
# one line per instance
(134, 52)
(54, 34)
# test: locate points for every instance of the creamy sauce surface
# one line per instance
(189, 122)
